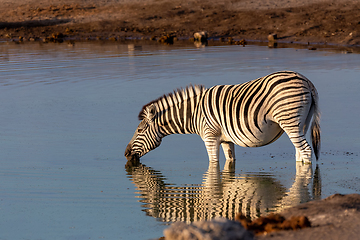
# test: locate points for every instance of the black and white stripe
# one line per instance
(221, 194)
(169, 114)
(252, 114)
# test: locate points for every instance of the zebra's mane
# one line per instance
(174, 98)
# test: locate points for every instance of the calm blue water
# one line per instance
(68, 112)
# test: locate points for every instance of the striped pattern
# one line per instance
(252, 114)
(169, 114)
(221, 194)
(174, 111)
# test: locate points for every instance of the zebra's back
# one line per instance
(256, 113)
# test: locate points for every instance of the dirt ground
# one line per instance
(316, 21)
(333, 218)
(336, 217)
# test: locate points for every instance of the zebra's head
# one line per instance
(147, 136)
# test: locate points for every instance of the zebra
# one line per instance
(252, 114)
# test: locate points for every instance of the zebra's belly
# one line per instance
(270, 132)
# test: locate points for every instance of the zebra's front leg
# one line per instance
(212, 146)
(229, 152)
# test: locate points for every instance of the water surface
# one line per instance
(68, 111)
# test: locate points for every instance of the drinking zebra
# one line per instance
(252, 114)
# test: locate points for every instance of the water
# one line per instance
(68, 111)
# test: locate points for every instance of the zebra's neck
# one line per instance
(175, 111)
(176, 120)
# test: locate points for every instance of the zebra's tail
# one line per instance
(315, 125)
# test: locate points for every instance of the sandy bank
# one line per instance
(335, 22)
(336, 217)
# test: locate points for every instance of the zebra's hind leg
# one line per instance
(303, 153)
(296, 133)
(229, 152)
(302, 147)
(296, 125)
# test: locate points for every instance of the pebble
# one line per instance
(217, 229)
(272, 37)
(201, 36)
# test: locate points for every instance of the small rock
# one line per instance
(201, 36)
(272, 37)
(216, 229)
(32, 39)
(241, 42)
(167, 39)
(58, 35)
(69, 30)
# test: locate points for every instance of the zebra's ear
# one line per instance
(151, 111)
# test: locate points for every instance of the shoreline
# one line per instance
(327, 23)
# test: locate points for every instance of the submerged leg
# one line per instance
(212, 146)
(302, 147)
(228, 148)
(296, 124)
(229, 152)
(296, 135)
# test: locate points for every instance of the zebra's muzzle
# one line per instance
(129, 155)
(128, 151)
(133, 159)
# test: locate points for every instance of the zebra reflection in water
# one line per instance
(222, 193)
